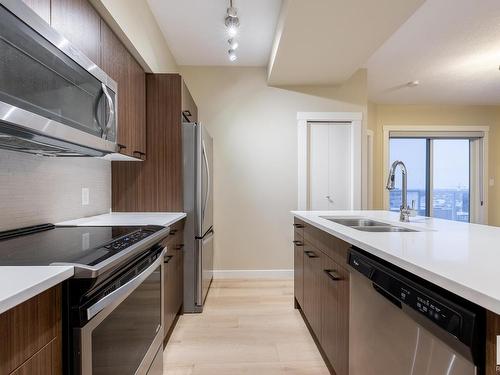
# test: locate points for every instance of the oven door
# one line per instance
(125, 330)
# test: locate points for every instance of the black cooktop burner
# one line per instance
(47, 244)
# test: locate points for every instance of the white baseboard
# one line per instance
(253, 274)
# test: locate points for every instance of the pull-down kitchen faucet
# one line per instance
(405, 211)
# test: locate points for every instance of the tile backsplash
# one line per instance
(37, 189)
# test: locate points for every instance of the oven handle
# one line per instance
(125, 289)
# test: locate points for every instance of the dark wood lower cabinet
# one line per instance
(322, 293)
(335, 315)
(31, 336)
(313, 259)
(298, 258)
(173, 291)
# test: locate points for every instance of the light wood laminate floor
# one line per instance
(247, 327)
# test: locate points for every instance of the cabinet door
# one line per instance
(79, 22)
(136, 106)
(298, 269)
(41, 7)
(335, 315)
(41, 363)
(312, 284)
(115, 59)
(169, 291)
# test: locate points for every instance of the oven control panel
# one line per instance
(127, 241)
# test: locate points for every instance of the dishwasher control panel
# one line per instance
(442, 315)
(408, 293)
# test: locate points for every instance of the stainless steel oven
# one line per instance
(53, 99)
(122, 330)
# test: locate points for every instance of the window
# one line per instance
(439, 174)
(413, 152)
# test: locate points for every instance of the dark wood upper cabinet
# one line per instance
(79, 22)
(136, 97)
(155, 184)
(41, 7)
(120, 65)
(114, 57)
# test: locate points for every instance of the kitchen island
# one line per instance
(460, 258)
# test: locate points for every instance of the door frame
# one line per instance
(358, 168)
(477, 215)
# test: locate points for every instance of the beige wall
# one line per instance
(382, 115)
(255, 157)
(136, 26)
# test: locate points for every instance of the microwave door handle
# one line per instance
(125, 290)
(111, 106)
(96, 112)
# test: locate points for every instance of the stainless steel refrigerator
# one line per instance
(198, 204)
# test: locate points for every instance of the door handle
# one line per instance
(329, 198)
(205, 158)
(311, 254)
(111, 106)
(332, 274)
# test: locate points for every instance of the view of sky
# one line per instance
(450, 164)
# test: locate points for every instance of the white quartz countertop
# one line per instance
(128, 219)
(460, 257)
(19, 284)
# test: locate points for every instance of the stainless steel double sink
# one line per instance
(367, 225)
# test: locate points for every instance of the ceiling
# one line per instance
(451, 46)
(195, 31)
(326, 41)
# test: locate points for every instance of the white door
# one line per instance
(330, 166)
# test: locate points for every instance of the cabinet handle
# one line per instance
(141, 154)
(173, 231)
(180, 247)
(298, 225)
(311, 254)
(298, 243)
(121, 147)
(168, 258)
(332, 274)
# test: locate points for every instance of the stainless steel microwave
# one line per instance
(54, 101)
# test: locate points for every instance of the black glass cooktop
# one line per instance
(47, 244)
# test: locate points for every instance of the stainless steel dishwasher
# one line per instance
(403, 325)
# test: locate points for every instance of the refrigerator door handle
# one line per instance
(208, 192)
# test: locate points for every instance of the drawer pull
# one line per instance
(332, 274)
(298, 225)
(298, 243)
(311, 254)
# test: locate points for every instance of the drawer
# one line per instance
(332, 246)
(29, 327)
(298, 226)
